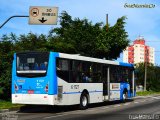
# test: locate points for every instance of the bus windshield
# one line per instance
(32, 64)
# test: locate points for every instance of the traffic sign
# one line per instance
(43, 15)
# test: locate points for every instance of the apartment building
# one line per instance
(139, 52)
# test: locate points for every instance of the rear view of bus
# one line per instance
(31, 78)
(50, 78)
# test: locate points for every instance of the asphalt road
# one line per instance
(140, 108)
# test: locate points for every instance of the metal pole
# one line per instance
(11, 18)
(106, 22)
(145, 76)
(133, 84)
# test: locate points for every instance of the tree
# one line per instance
(31, 42)
(153, 76)
(6, 53)
(82, 37)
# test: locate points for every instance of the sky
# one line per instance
(140, 21)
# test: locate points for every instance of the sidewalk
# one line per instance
(10, 109)
(154, 95)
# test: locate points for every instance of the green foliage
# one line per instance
(31, 42)
(8, 104)
(6, 53)
(84, 38)
(145, 93)
(153, 76)
(74, 36)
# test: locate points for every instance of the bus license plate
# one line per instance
(30, 91)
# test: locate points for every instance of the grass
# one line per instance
(145, 93)
(8, 105)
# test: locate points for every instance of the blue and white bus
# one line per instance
(52, 78)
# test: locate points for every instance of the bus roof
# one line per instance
(84, 58)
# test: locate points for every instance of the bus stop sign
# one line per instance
(41, 15)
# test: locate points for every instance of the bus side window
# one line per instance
(85, 78)
(62, 69)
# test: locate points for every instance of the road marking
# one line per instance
(156, 97)
(90, 110)
(105, 108)
(63, 114)
(117, 105)
(142, 101)
(136, 102)
(55, 116)
(126, 103)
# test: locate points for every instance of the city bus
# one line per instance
(52, 78)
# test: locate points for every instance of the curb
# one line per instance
(15, 109)
(10, 109)
(147, 96)
(4, 110)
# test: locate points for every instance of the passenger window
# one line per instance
(62, 66)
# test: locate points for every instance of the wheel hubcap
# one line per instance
(124, 96)
(84, 101)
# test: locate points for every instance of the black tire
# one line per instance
(83, 101)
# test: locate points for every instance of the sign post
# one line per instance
(40, 15)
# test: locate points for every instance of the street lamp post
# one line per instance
(145, 74)
(11, 18)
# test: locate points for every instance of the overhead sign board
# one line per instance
(41, 15)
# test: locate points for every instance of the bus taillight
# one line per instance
(46, 88)
(15, 87)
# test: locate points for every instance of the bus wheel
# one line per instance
(125, 96)
(84, 101)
